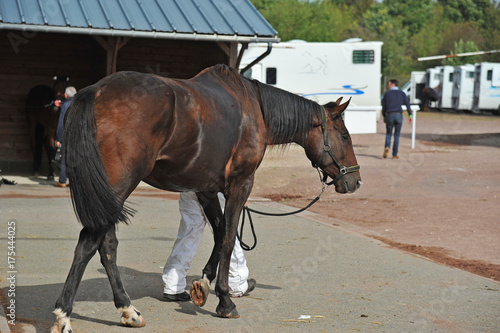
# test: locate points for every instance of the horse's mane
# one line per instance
(287, 116)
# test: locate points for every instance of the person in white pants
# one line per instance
(190, 232)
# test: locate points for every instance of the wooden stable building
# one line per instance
(40, 39)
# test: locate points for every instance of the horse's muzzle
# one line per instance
(347, 186)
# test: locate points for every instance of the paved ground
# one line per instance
(344, 281)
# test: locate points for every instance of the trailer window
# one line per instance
(450, 78)
(469, 75)
(271, 75)
(489, 75)
(248, 73)
(363, 57)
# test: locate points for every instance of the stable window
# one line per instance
(271, 75)
(363, 57)
(450, 78)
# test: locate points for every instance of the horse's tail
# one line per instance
(96, 204)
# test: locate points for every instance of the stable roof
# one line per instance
(210, 20)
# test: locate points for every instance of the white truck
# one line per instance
(486, 87)
(463, 87)
(413, 88)
(324, 72)
(445, 88)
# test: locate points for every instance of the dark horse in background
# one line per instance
(208, 135)
(428, 95)
(42, 114)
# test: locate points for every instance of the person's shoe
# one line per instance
(251, 286)
(60, 185)
(182, 297)
(386, 152)
(395, 157)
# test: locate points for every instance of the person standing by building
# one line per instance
(69, 93)
(393, 116)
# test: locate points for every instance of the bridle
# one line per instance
(327, 149)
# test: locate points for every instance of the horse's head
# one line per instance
(61, 82)
(329, 147)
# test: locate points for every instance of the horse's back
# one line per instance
(178, 134)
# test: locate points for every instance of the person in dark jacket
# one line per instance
(69, 93)
(393, 115)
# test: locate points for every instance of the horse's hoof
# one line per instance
(199, 292)
(227, 313)
(131, 317)
(62, 324)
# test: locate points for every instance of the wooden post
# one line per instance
(231, 50)
(112, 45)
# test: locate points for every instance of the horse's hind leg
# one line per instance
(88, 243)
(108, 250)
(213, 212)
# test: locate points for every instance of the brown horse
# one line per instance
(208, 135)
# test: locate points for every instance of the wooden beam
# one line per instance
(231, 50)
(111, 45)
(233, 54)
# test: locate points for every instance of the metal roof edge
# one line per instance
(139, 34)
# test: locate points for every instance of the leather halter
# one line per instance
(327, 149)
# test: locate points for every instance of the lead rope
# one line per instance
(247, 211)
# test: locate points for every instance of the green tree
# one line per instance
(466, 10)
(462, 47)
(408, 28)
(314, 22)
(414, 14)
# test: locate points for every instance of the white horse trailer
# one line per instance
(432, 80)
(463, 87)
(433, 76)
(486, 87)
(323, 72)
(417, 84)
(445, 88)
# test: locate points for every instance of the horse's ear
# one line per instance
(341, 108)
(338, 100)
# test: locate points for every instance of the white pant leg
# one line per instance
(188, 238)
(238, 271)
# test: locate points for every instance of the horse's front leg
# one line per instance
(234, 206)
(108, 250)
(212, 209)
(88, 243)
